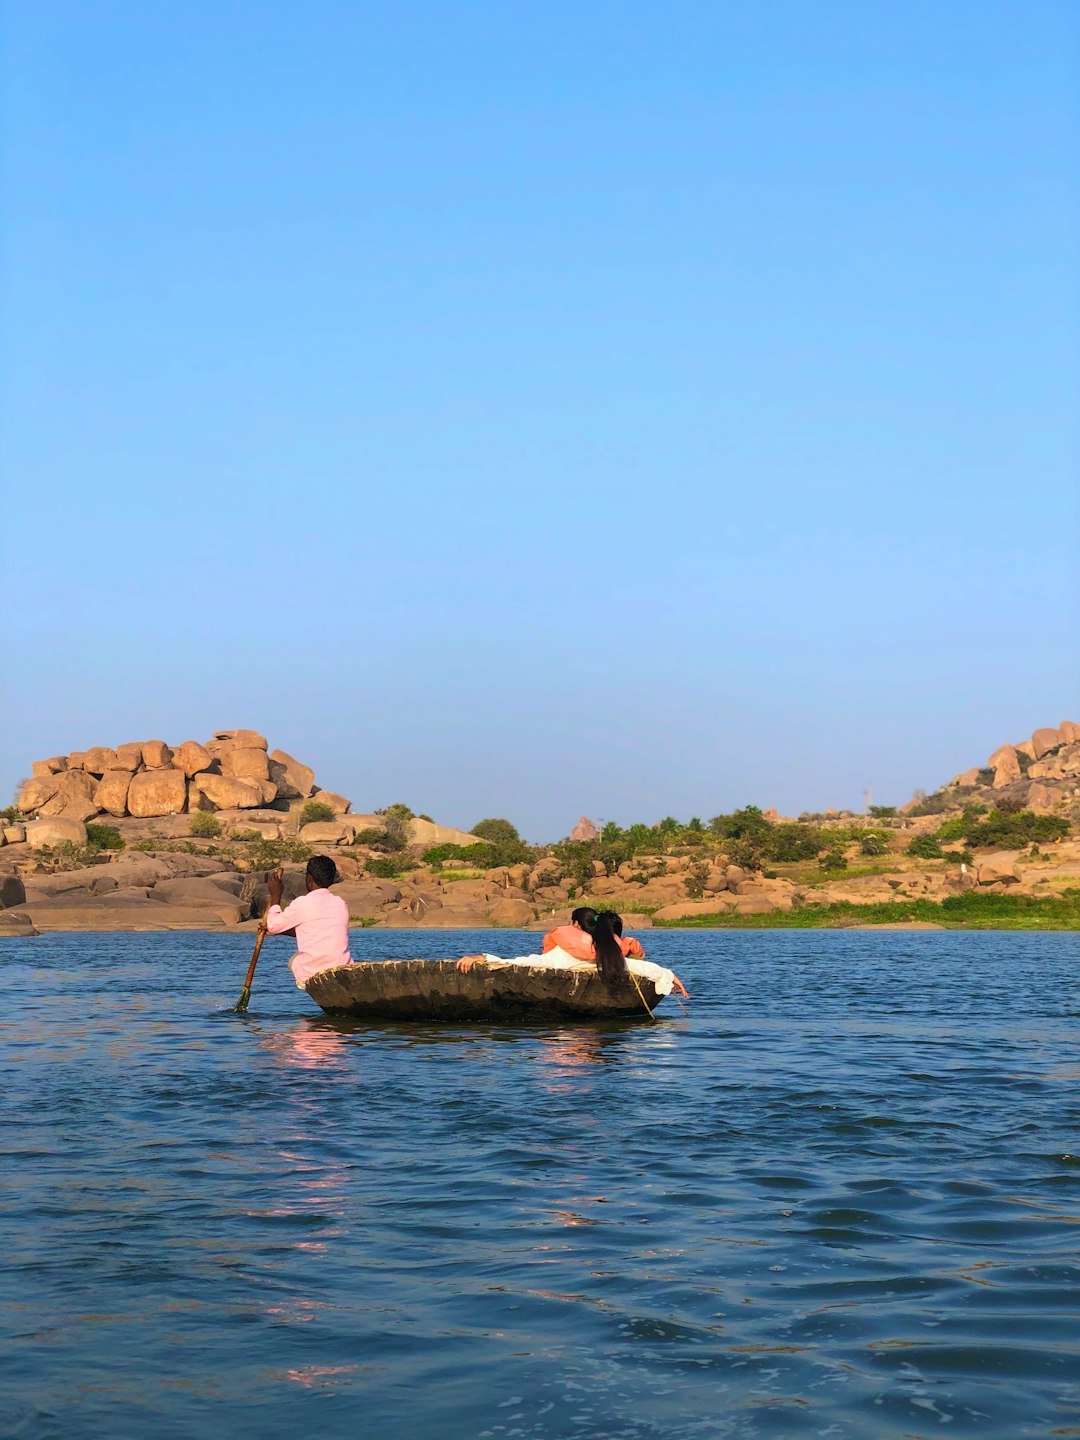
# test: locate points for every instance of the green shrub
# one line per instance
(371, 836)
(833, 860)
(497, 832)
(925, 847)
(882, 812)
(205, 824)
(874, 843)
(396, 835)
(386, 867)
(746, 853)
(438, 853)
(316, 810)
(105, 837)
(246, 837)
(1023, 827)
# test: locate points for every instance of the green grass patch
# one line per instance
(970, 911)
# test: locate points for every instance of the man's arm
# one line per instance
(276, 920)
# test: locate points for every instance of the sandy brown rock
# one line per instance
(56, 831)
(194, 891)
(368, 897)
(128, 756)
(323, 832)
(1005, 765)
(16, 924)
(689, 909)
(1045, 740)
(294, 780)
(161, 791)
(98, 759)
(112, 792)
(427, 833)
(14, 834)
(128, 913)
(191, 757)
(221, 792)
(1069, 731)
(1041, 798)
(156, 755)
(53, 766)
(74, 797)
(510, 913)
(246, 762)
(584, 830)
(36, 791)
(241, 737)
(998, 869)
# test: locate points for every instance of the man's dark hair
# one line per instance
(322, 870)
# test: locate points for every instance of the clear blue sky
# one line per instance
(536, 409)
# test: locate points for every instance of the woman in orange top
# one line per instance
(577, 937)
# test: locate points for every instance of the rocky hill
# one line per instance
(141, 786)
(1041, 773)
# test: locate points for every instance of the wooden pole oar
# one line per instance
(245, 994)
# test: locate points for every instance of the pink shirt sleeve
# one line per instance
(278, 920)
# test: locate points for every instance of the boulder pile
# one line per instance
(148, 779)
(1042, 773)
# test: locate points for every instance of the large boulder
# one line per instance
(964, 780)
(998, 870)
(366, 897)
(160, 791)
(128, 757)
(74, 797)
(511, 914)
(337, 803)
(294, 781)
(222, 792)
(112, 792)
(689, 909)
(156, 755)
(1045, 740)
(1069, 731)
(14, 834)
(193, 891)
(246, 762)
(55, 831)
(99, 759)
(12, 891)
(1040, 797)
(241, 737)
(17, 925)
(1005, 765)
(357, 824)
(323, 832)
(132, 911)
(52, 766)
(36, 791)
(191, 757)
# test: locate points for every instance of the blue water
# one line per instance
(840, 1199)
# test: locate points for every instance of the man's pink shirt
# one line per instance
(321, 922)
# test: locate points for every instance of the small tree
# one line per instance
(925, 847)
(498, 832)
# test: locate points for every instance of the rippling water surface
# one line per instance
(840, 1199)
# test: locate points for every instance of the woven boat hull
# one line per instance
(438, 990)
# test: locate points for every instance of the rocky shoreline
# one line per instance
(144, 836)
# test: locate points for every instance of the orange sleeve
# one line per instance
(633, 947)
(550, 942)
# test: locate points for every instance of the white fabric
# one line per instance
(558, 959)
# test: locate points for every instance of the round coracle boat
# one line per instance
(438, 990)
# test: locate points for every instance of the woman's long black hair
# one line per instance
(610, 960)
